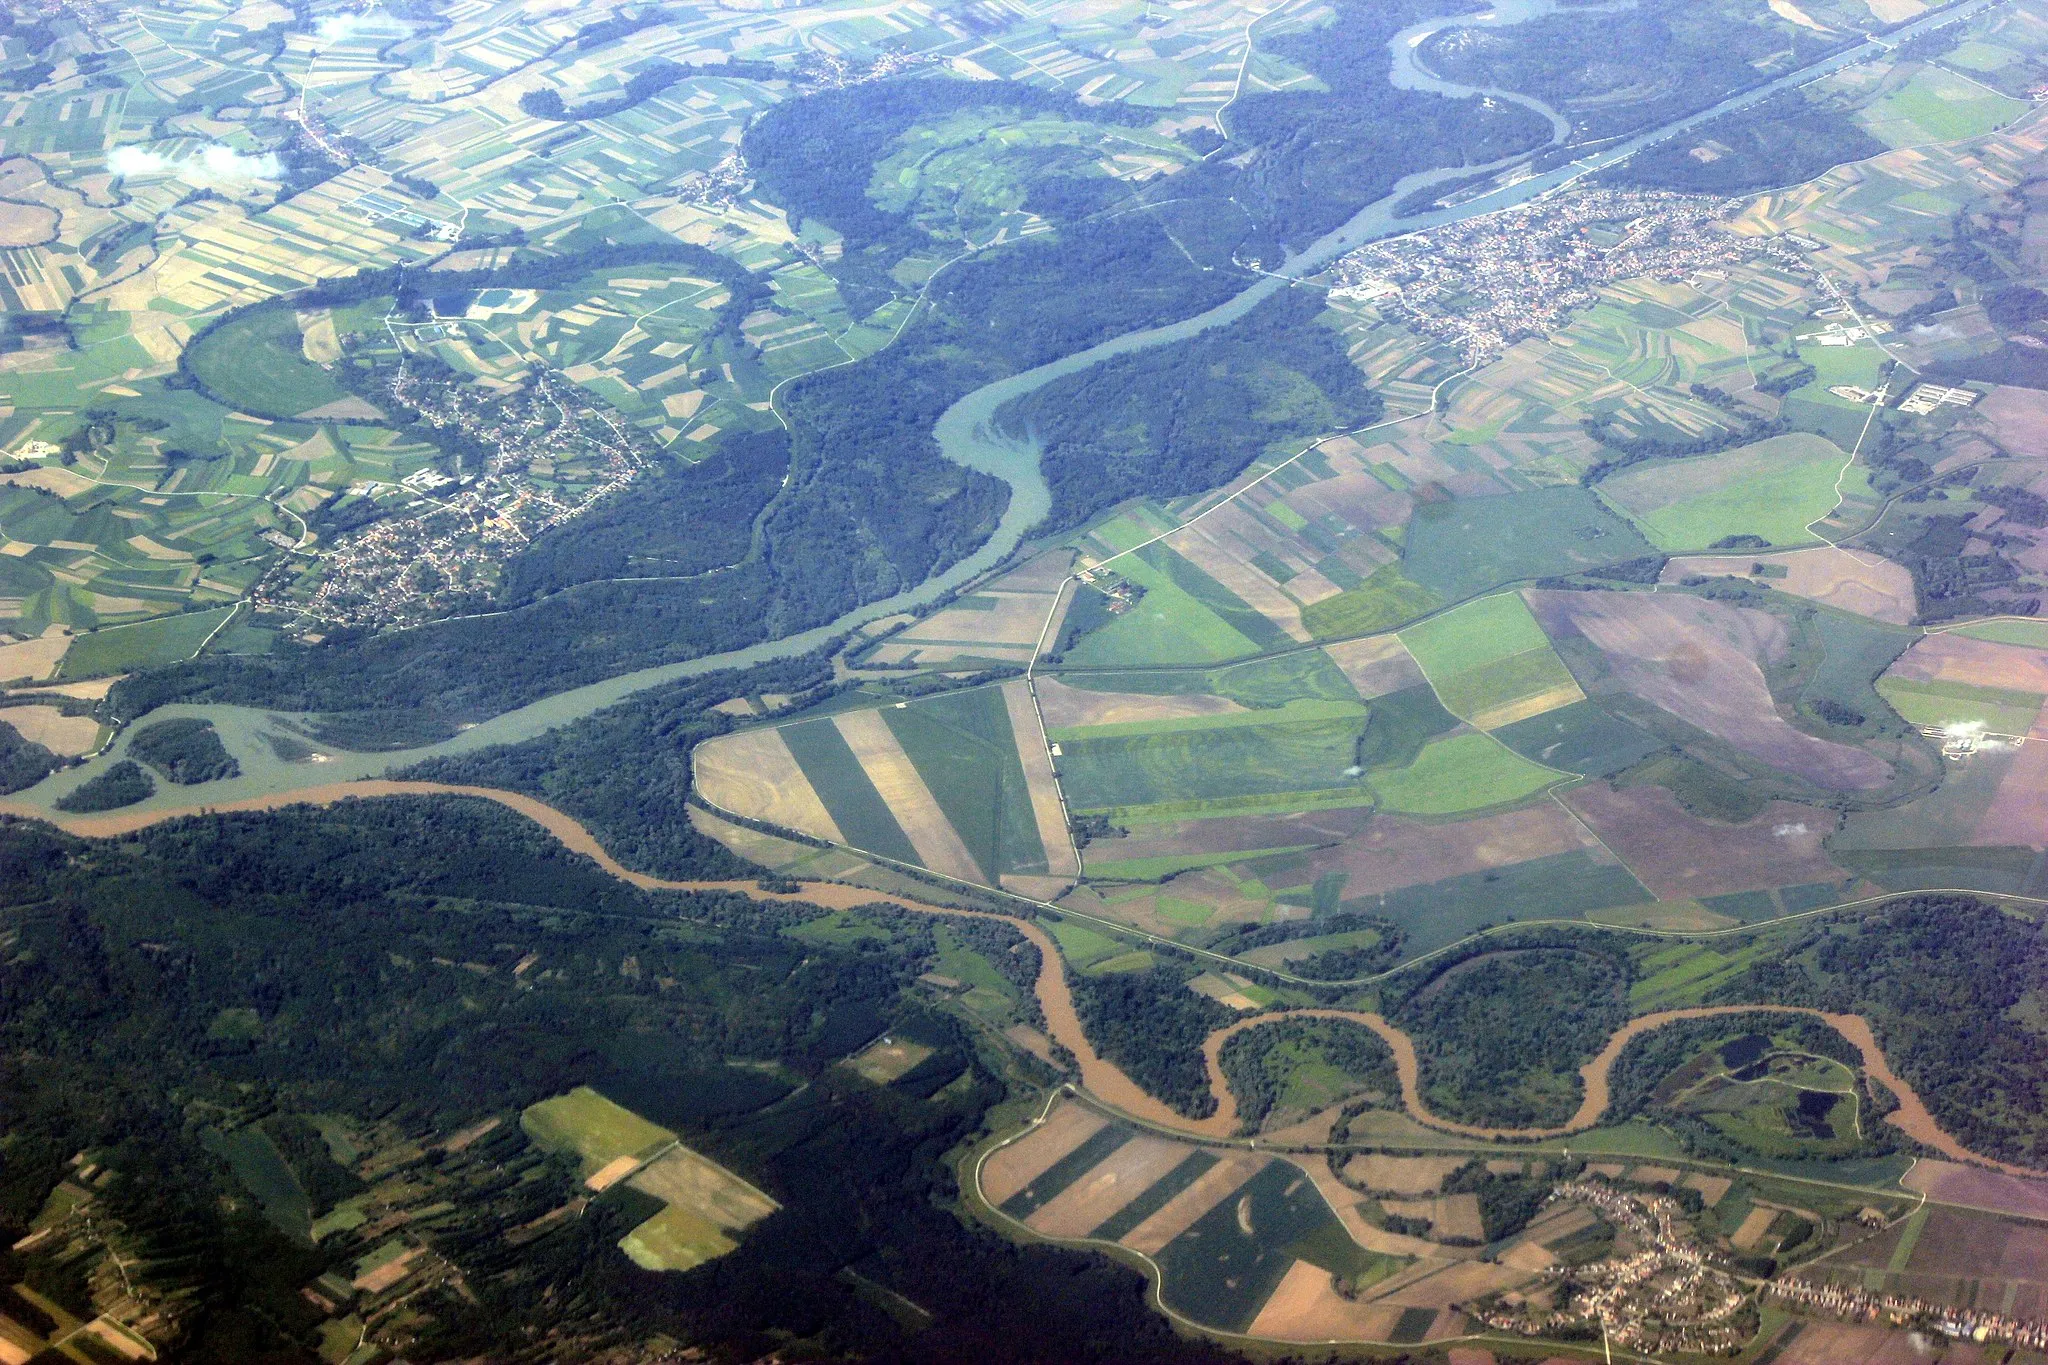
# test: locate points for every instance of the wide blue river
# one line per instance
(969, 434)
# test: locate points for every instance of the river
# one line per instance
(969, 434)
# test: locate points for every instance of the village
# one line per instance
(1668, 1294)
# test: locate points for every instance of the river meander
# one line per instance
(969, 434)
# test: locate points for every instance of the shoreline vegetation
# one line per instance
(1101, 1078)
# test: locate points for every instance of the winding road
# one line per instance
(1100, 1077)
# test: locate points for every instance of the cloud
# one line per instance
(339, 28)
(213, 164)
(1791, 831)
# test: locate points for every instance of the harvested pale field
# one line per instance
(1401, 1175)
(1306, 1307)
(1834, 1343)
(996, 618)
(1123, 1175)
(1459, 1282)
(887, 1059)
(1361, 499)
(1753, 1227)
(1679, 855)
(1450, 1215)
(62, 482)
(317, 339)
(1376, 665)
(1013, 1167)
(1181, 1212)
(1713, 1188)
(2019, 417)
(705, 1188)
(1853, 581)
(1344, 1201)
(33, 660)
(1031, 1040)
(1313, 1131)
(391, 1272)
(1564, 1224)
(1233, 833)
(924, 652)
(26, 224)
(1042, 574)
(1073, 708)
(343, 409)
(1953, 658)
(66, 736)
(1393, 852)
(1651, 1175)
(1529, 1256)
(1222, 992)
(2018, 814)
(1522, 708)
(1046, 811)
(94, 690)
(765, 849)
(1954, 1183)
(754, 774)
(876, 748)
(1702, 662)
(611, 1173)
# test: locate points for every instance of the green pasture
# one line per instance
(1459, 548)
(675, 1239)
(2032, 634)
(1582, 738)
(1486, 654)
(1082, 946)
(146, 644)
(1384, 600)
(2002, 711)
(1197, 764)
(1939, 106)
(1461, 773)
(1170, 624)
(1774, 489)
(255, 364)
(1304, 675)
(1304, 710)
(591, 1126)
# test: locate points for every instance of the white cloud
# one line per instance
(1790, 831)
(339, 28)
(213, 164)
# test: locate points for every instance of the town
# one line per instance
(549, 454)
(1483, 284)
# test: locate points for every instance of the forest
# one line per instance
(23, 762)
(1179, 419)
(1150, 1024)
(1259, 1062)
(185, 751)
(366, 955)
(1951, 985)
(1783, 140)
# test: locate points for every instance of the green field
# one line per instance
(1580, 738)
(1278, 680)
(1185, 615)
(1289, 712)
(146, 644)
(1082, 946)
(1384, 600)
(1774, 489)
(675, 1239)
(1939, 106)
(1202, 764)
(963, 747)
(2032, 634)
(1462, 773)
(254, 364)
(1456, 549)
(1486, 655)
(591, 1126)
(2002, 711)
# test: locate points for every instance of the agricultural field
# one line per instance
(1491, 664)
(703, 1206)
(1773, 490)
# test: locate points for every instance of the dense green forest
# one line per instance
(1636, 67)
(23, 762)
(123, 784)
(680, 523)
(1259, 1062)
(359, 962)
(185, 751)
(1784, 140)
(1953, 987)
(1150, 1024)
(625, 771)
(1501, 1034)
(1178, 419)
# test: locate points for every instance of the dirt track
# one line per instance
(1099, 1077)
